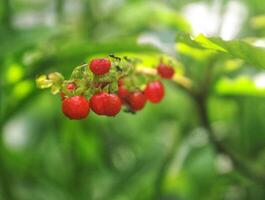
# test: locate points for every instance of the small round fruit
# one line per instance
(165, 71)
(154, 91)
(137, 101)
(70, 87)
(105, 104)
(123, 93)
(100, 66)
(112, 105)
(76, 107)
(97, 103)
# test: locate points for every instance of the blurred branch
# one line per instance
(5, 176)
(201, 99)
(59, 8)
(243, 168)
(7, 14)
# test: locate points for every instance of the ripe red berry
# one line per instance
(70, 87)
(113, 105)
(105, 104)
(76, 107)
(154, 91)
(100, 66)
(165, 71)
(123, 93)
(97, 103)
(137, 101)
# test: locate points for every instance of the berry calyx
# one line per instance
(137, 101)
(165, 71)
(100, 66)
(105, 104)
(76, 107)
(154, 91)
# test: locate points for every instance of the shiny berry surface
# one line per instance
(165, 71)
(76, 107)
(97, 103)
(100, 66)
(113, 105)
(154, 91)
(137, 101)
(105, 104)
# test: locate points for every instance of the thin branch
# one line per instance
(243, 168)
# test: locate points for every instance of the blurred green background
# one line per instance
(161, 152)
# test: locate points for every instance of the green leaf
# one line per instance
(150, 15)
(258, 22)
(236, 48)
(241, 86)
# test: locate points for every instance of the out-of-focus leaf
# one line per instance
(195, 53)
(22, 89)
(241, 86)
(14, 73)
(151, 14)
(258, 22)
(236, 48)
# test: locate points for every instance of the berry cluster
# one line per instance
(105, 85)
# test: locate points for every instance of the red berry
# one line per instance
(70, 87)
(62, 96)
(76, 107)
(120, 82)
(123, 93)
(154, 91)
(137, 101)
(97, 102)
(113, 105)
(105, 104)
(100, 66)
(165, 71)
